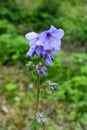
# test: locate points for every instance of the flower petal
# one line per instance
(52, 28)
(47, 45)
(43, 71)
(32, 42)
(31, 52)
(43, 35)
(31, 35)
(59, 33)
(55, 44)
(48, 60)
(39, 51)
(39, 42)
(38, 70)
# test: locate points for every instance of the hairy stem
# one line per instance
(37, 96)
(38, 91)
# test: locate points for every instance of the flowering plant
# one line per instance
(44, 45)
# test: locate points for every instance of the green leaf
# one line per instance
(34, 124)
(10, 86)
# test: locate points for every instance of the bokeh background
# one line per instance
(66, 108)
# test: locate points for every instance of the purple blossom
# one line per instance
(49, 56)
(52, 43)
(45, 44)
(36, 45)
(41, 69)
(52, 38)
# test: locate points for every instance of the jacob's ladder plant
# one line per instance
(44, 45)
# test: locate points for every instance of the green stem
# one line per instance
(38, 91)
(37, 96)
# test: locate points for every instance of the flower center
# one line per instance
(48, 35)
(39, 46)
(49, 51)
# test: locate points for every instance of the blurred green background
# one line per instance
(66, 109)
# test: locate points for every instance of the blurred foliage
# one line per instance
(46, 14)
(10, 11)
(13, 49)
(72, 19)
(16, 21)
(70, 72)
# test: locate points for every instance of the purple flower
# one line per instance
(45, 44)
(52, 43)
(36, 45)
(52, 38)
(41, 69)
(49, 56)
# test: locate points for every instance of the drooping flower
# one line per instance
(36, 45)
(52, 38)
(45, 44)
(52, 43)
(49, 56)
(41, 69)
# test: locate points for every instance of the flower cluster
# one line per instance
(45, 44)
